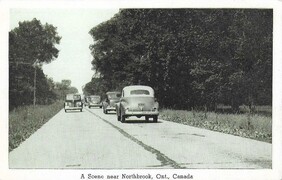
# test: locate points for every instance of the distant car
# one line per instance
(110, 102)
(94, 101)
(137, 101)
(73, 102)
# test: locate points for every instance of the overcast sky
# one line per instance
(73, 25)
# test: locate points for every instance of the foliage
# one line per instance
(30, 45)
(63, 88)
(95, 87)
(33, 41)
(254, 126)
(24, 121)
(191, 57)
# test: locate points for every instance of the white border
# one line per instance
(275, 173)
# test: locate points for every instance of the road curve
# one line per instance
(91, 139)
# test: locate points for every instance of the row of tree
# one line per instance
(191, 57)
(30, 45)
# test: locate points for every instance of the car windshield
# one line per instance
(139, 92)
(114, 95)
(95, 98)
(76, 97)
(72, 97)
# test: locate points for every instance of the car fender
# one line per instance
(118, 108)
(104, 104)
(122, 108)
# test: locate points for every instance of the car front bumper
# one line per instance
(72, 108)
(111, 108)
(94, 105)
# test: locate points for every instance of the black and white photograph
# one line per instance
(140, 92)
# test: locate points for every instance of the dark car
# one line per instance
(110, 102)
(73, 102)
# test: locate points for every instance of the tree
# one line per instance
(30, 42)
(33, 41)
(64, 87)
(191, 57)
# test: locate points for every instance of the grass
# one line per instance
(254, 126)
(24, 121)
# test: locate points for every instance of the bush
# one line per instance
(25, 120)
(252, 126)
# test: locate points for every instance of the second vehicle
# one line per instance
(94, 101)
(110, 102)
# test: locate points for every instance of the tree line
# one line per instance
(191, 57)
(30, 45)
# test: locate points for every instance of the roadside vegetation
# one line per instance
(256, 126)
(24, 121)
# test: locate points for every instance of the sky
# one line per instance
(73, 25)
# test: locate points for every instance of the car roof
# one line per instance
(132, 87)
(127, 89)
(110, 92)
(72, 94)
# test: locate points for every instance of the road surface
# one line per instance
(91, 139)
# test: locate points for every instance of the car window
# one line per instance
(73, 97)
(69, 97)
(76, 97)
(139, 92)
(114, 95)
(97, 98)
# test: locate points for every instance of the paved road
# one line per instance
(91, 139)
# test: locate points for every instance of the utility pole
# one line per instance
(34, 83)
(34, 86)
(34, 65)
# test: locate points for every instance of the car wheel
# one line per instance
(122, 118)
(118, 118)
(155, 119)
(106, 111)
(65, 110)
(80, 110)
(147, 118)
(100, 107)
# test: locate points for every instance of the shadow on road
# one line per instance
(74, 111)
(139, 121)
(94, 108)
(111, 113)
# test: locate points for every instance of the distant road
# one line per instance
(91, 139)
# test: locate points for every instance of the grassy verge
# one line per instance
(252, 126)
(24, 121)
